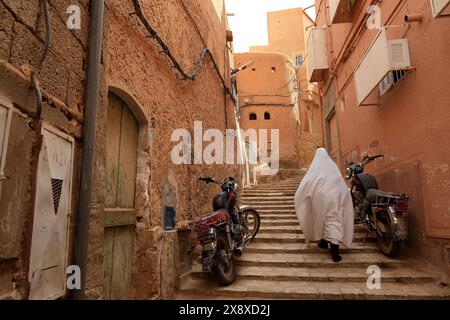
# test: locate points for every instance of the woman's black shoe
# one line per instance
(335, 253)
(323, 244)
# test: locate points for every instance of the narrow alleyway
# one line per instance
(278, 264)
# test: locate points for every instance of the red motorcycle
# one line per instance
(224, 233)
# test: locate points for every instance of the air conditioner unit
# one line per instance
(438, 6)
(341, 10)
(382, 57)
(317, 56)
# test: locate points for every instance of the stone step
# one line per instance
(269, 187)
(269, 289)
(267, 237)
(278, 216)
(282, 182)
(281, 229)
(319, 260)
(272, 188)
(289, 182)
(252, 247)
(276, 211)
(287, 189)
(272, 198)
(272, 204)
(275, 207)
(290, 228)
(292, 184)
(268, 194)
(268, 202)
(389, 275)
(275, 221)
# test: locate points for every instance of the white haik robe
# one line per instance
(323, 203)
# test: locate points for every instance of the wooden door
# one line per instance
(121, 165)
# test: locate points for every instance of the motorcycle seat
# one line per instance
(374, 195)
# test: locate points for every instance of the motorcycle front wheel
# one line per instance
(388, 245)
(251, 221)
(224, 267)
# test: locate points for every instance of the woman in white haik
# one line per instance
(324, 205)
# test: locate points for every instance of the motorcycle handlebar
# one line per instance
(368, 159)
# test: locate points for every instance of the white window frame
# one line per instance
(9, 107)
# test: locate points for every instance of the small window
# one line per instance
(253, 69)
(253, 116)
(274, 69)
(298, 60)
(266, 116)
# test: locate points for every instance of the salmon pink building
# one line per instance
(383, 69)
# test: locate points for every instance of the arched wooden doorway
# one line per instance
(121, 167)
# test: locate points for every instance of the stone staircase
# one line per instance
(278, 264)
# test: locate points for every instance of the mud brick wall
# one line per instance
(62, 79)
(142, 77)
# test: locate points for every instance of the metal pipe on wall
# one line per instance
(413, 17)
(90, 125)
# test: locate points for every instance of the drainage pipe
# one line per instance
(89, 134)
(413, 17)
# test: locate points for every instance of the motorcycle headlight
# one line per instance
(348, 172)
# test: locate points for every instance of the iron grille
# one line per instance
(56, 191)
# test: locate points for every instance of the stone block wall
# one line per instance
(62, 80)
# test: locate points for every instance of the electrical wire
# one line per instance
(216, 67)
(41, 60)
(165, 49)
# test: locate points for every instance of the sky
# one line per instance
(249, 25)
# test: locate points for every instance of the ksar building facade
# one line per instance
(89, 181)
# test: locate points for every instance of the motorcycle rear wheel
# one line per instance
(224, 269)
(388, 245)
(252, 221)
